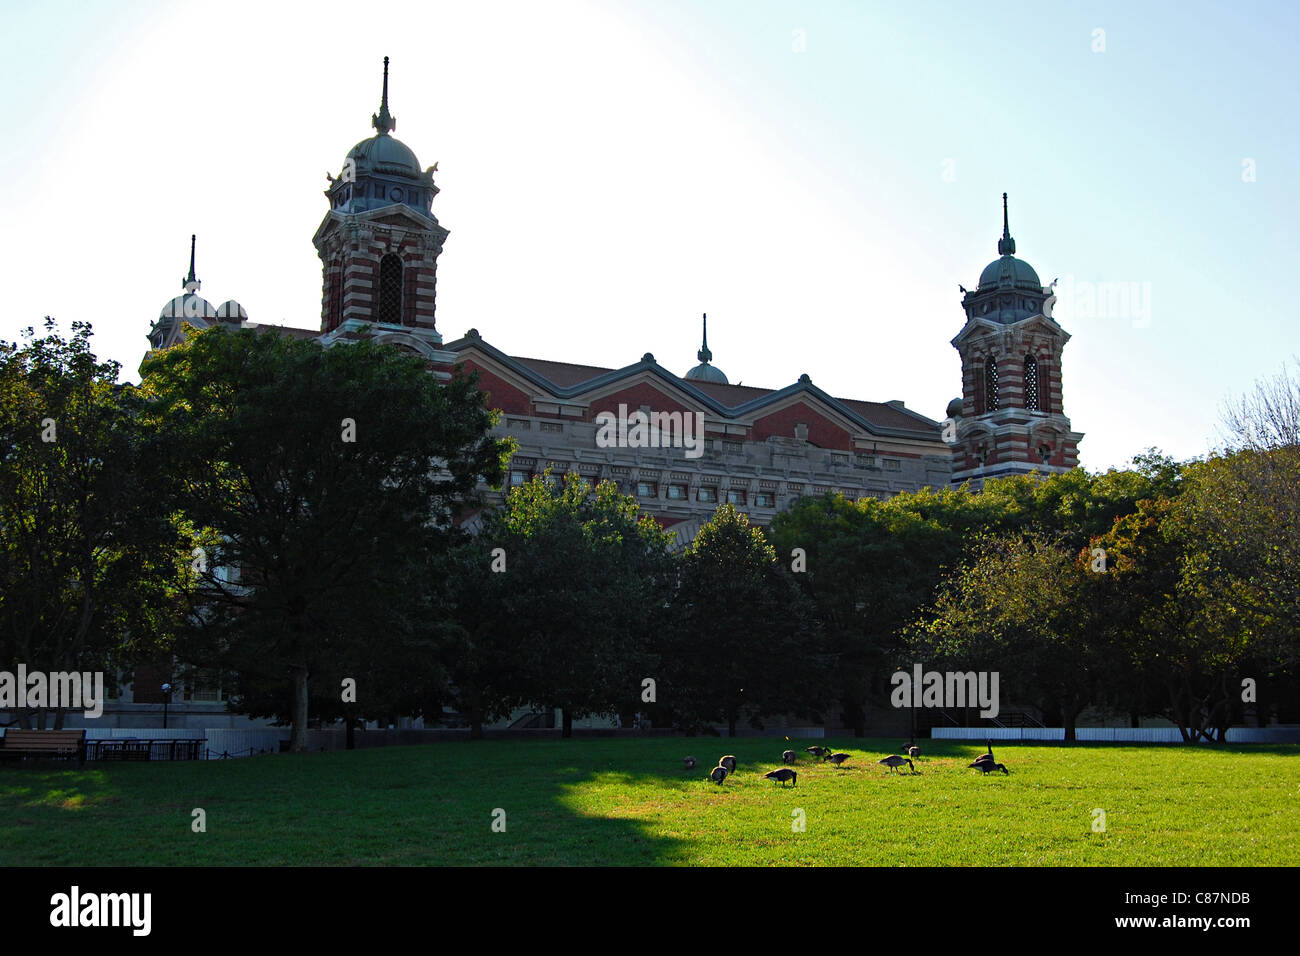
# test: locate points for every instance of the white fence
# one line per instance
(1147, 735)
(240, 743)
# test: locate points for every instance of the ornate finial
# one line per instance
(191, 282)
(383, 120)
(704, 355)
(1006, 245)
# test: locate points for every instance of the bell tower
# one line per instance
(379, 243)
(1009, 419)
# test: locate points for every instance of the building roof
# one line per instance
(704, 372)
(1010, 271)
(382, 153)
(568, 380)
(562, 373)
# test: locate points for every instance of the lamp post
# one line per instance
(167, 696)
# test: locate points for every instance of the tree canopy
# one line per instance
(320, 476)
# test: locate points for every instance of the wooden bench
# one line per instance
(56, 744)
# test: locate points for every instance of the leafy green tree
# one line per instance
(473, 629)
(746, 641)
(873, 566)
(1157, 631)
(324, 476)
(1203, 583)
(584, 592)
(91, 560)
(1026, 607)
(868, 567)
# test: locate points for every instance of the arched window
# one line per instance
(336, 299)
(389, 307)
(991, 385)
(1031, 384)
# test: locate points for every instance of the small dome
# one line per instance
(704, 372)
(1010, 272)
(384, 154)
(954, 408)
(231, 311)
(188, 306)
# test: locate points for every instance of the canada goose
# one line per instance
(985, 758)
(988, 766)
(789, 756)
(837, 759)
(894, 761)
(729, 762)
(690, 763)
(719, 774)
(912, 750)
(817, 751)
(783, 774)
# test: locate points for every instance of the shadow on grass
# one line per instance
(580, 802)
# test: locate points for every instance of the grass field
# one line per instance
(629, 802)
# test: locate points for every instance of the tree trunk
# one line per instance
(1070, 715)
(1133, 719)
(567, 723)
(298, 736)
(627, 718)
(853, 712)
(351, 735)
(731, 726)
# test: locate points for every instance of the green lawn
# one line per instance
(630, 802)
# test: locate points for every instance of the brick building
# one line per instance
(758, 448)
(761, 448)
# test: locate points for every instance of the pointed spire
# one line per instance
(1006, 245)
(383, 120)
(704, 355)
(191, 282)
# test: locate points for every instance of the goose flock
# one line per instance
(783, 775)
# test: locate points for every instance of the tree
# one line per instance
(1266, 419)
(323, 477)
(873, 566)
(1245, 507)
(584, 591)
(1158, 630)
(90, 557)
(472, 628)
(1024, 606)
(745, 641)
(869, 567)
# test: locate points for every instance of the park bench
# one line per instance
(56, 744)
